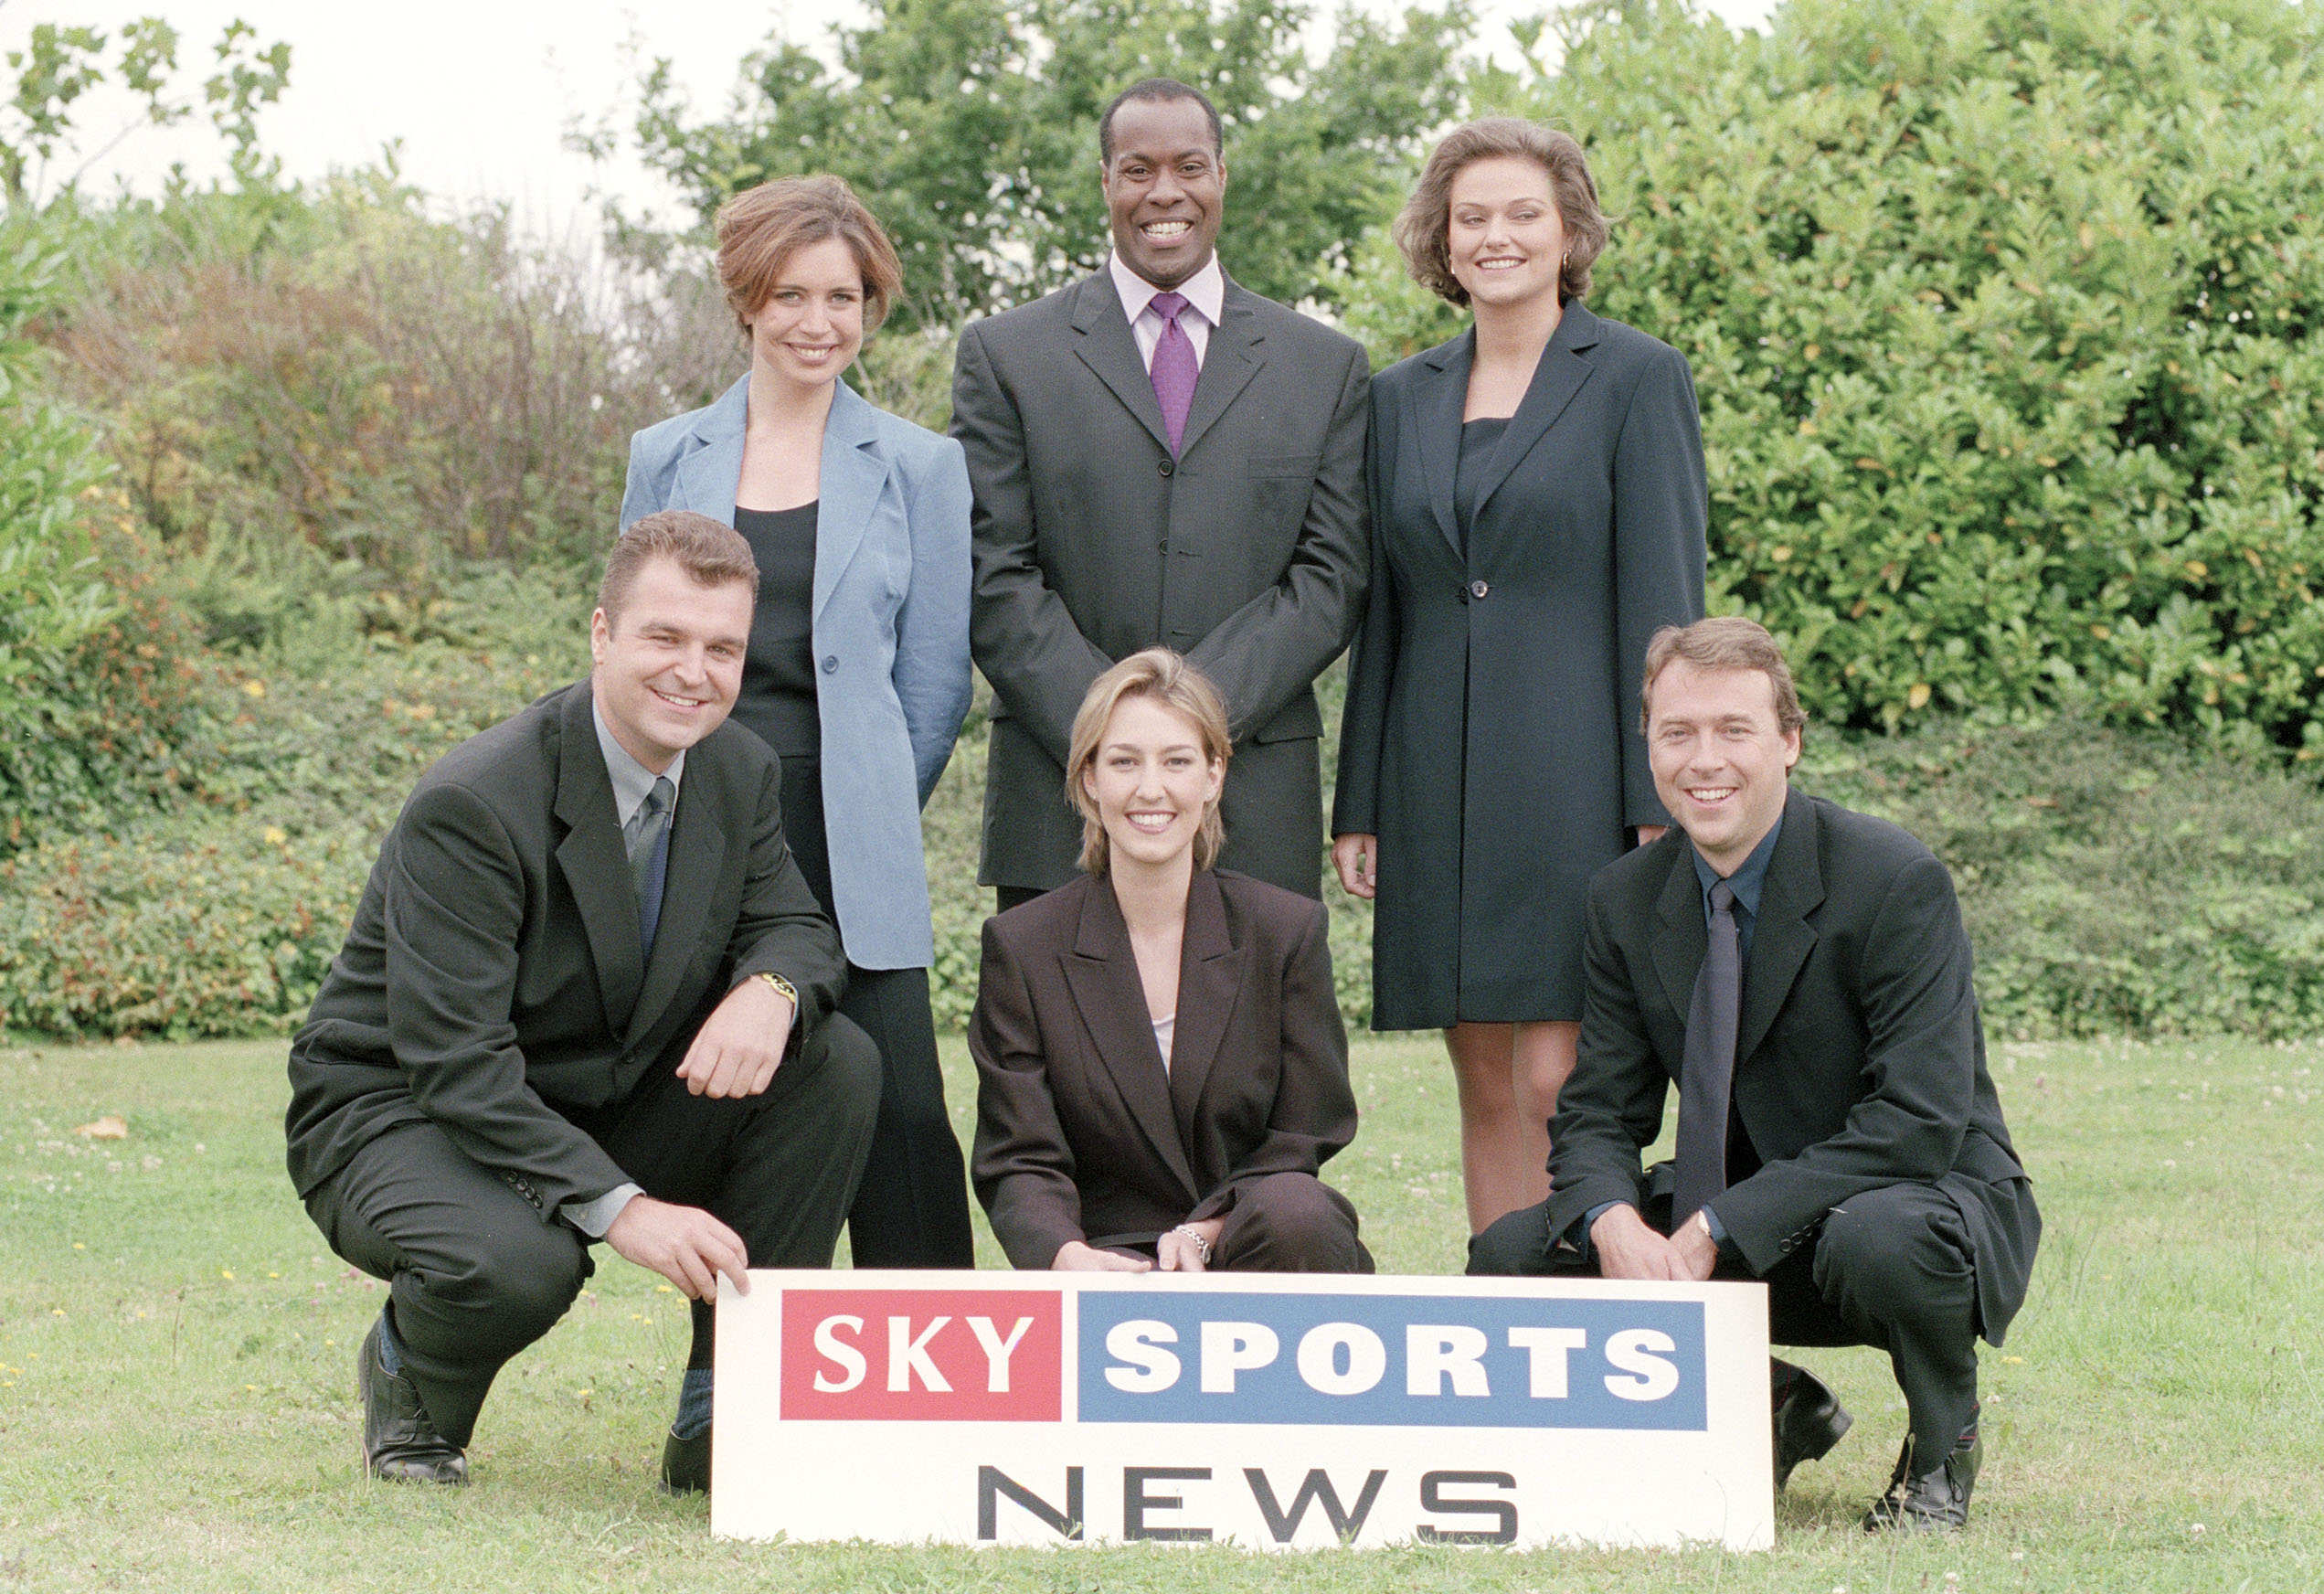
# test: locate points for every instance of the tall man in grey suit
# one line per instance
(1161, 456)
(587, 995)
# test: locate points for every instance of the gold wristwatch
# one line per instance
(789, 991)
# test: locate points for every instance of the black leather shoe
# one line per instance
(1809, 1420)
(1936, 1501)
(400, 1442)
(685, 1464)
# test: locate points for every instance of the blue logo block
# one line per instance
(1404, 1361)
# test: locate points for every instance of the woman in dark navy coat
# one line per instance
(1538, 508)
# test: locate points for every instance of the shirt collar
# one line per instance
(1748, 880)
(1205, 291)
(631, 779)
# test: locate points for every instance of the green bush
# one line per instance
(205, 924)
(2113, 883)
(2004, 317)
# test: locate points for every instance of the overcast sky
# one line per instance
(479, 92)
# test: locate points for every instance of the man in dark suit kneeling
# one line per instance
(1800, 972)
(587, 995)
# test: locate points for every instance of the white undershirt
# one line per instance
(1165, 1029)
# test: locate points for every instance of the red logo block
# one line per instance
(922, 1355)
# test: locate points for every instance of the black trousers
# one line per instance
(1892, 1268)
(475, 1273)
(1282, 1223)
(912, 1209)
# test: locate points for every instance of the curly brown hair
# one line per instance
(1423, 225)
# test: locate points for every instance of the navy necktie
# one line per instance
(1706, 1071)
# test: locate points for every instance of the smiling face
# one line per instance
(812, 324)
(1504, 236)
(669, 668)
(1722, 761)
(1150, 781)
(1166, 187)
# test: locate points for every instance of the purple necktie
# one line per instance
(1174, 371)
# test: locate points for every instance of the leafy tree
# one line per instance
(2004, 316)
(969, 128)
(58, 64)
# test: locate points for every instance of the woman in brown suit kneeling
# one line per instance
(1161, 1067)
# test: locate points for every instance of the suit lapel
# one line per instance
(707, 476)
(1439, 402)
(1107, 347)
(1102, 972)
(697, 851)
(596, 869)
(1210, 977)
(1563, 368)
(1782, 938)
(1232, 358)
(1681, 940)
(854, 475)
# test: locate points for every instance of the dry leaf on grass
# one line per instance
(113, 1126)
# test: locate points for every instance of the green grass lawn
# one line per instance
(178, 1396)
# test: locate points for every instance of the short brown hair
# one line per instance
(1423, 226)
(1170, 680)
(1723, 643)
(710, 553)
(760, 229)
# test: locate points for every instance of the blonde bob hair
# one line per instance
(1423, 228)
(1167, 677)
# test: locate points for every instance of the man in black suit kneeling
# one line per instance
(587, 995)
(1800, 972)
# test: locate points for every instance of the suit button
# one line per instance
(1168, 467)
(831, 663)
(1478, 588)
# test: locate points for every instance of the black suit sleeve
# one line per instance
(1919, 1074)
(453, 913)
(1314, 1115)
(1660, 509)
(1270, 650)
(1023, 637)
(1024, 1168)
(780, 929)
(1611, 1108)
(1371, 667)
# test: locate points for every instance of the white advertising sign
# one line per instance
(1270, 1410)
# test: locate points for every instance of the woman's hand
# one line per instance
(1079, 1256)
(1176, 1251)
(1356, 856)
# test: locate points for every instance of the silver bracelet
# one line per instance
(1201, 1246)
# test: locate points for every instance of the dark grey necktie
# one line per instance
(1707, 1070)
(641, 838)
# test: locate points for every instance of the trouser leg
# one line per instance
(1007, 897)
(1895, 1266)
(1290, 1223)
(912, 1208)
(779, 1168)
(474, 1273)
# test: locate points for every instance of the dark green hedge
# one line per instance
(2004, 316)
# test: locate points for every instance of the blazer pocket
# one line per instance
(1301, 465)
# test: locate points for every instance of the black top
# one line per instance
(1478, 440)
(777, 697)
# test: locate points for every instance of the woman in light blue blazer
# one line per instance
(858, 669)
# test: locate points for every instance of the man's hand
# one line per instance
(1627, 1249)
(683, 1244)
(737, 1049)
(1698, 1253)
(1356, 857)
(1077, 1257)
(1174, 1253)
